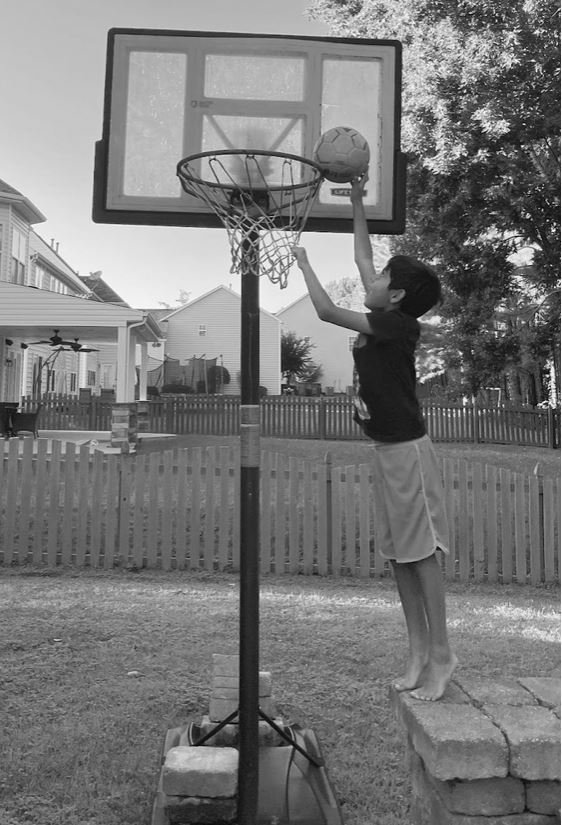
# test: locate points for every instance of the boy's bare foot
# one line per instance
(412, 677)
(436, 679)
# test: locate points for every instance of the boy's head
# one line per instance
(418, 281)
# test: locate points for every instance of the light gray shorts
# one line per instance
(411, 520)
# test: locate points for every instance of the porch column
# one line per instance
(131, 370)
(122, 364)
(143, 371)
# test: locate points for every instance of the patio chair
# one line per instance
(26, 422)
(7, 410)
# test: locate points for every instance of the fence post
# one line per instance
(475, 424)
(551, 428)
(322, 419)
(328, 494)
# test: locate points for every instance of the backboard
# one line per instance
(170, 94)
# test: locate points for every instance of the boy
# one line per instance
(409, 495)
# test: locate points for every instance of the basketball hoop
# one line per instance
(263, 220)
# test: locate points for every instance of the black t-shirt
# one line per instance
(387, 406)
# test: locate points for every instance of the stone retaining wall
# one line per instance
(488, 753)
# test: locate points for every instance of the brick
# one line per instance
(182, 810)
(545, 689)
(533, 736)
(495, 691)
(484, 797)
(455, 741)
(191, 771)
(543, 796)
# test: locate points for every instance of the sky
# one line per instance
(52, 71)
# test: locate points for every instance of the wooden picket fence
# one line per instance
(329, 418)
(63, 505)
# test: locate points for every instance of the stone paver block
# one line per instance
(453, 695)
(229, 736)
(191, 771)
(495, 692)
(533, 736)
(455, 741)
(191, 810)
(430, 810)
(219, 709)
(225, 665)
(475, 797)
(545, 689)
(226, 687)
(543, 797)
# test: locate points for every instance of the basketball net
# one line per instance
(263, 221)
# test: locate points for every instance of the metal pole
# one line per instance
(249, 538)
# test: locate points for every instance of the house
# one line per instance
(42, 299)
(207, 329)
(332, 344)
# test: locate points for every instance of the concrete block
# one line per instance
(545, 689)
(533, 736)
(189, 810)
(207, 772)
(455, 741)
(543, 797)
(495, 691)
(474, 797)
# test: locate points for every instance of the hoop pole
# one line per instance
(249, 536)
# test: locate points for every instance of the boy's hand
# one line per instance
(300, 256)
(358, 187)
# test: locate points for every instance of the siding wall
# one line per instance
(219, 312)
(331, 342)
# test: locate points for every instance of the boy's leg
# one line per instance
(441, 660)
(416, 624)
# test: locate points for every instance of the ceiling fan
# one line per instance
(76, 346)
(56, 341)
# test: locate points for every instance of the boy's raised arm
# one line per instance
(361, 241)
(321, 301)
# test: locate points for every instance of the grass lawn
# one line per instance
(81, 737)
(512, 457)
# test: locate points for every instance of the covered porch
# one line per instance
(28, 314)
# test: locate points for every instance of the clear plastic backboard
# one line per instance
(171, 94)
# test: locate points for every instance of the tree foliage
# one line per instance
(296, 361)
(480, 127)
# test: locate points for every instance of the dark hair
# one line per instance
(423, 290)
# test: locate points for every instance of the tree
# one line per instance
(480, 127)
(295, 357)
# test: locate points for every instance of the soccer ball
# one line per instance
(342, 154)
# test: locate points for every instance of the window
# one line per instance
(202, 330)
(91, 378)
(19, 257)
(1, 236)
(73, 382)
